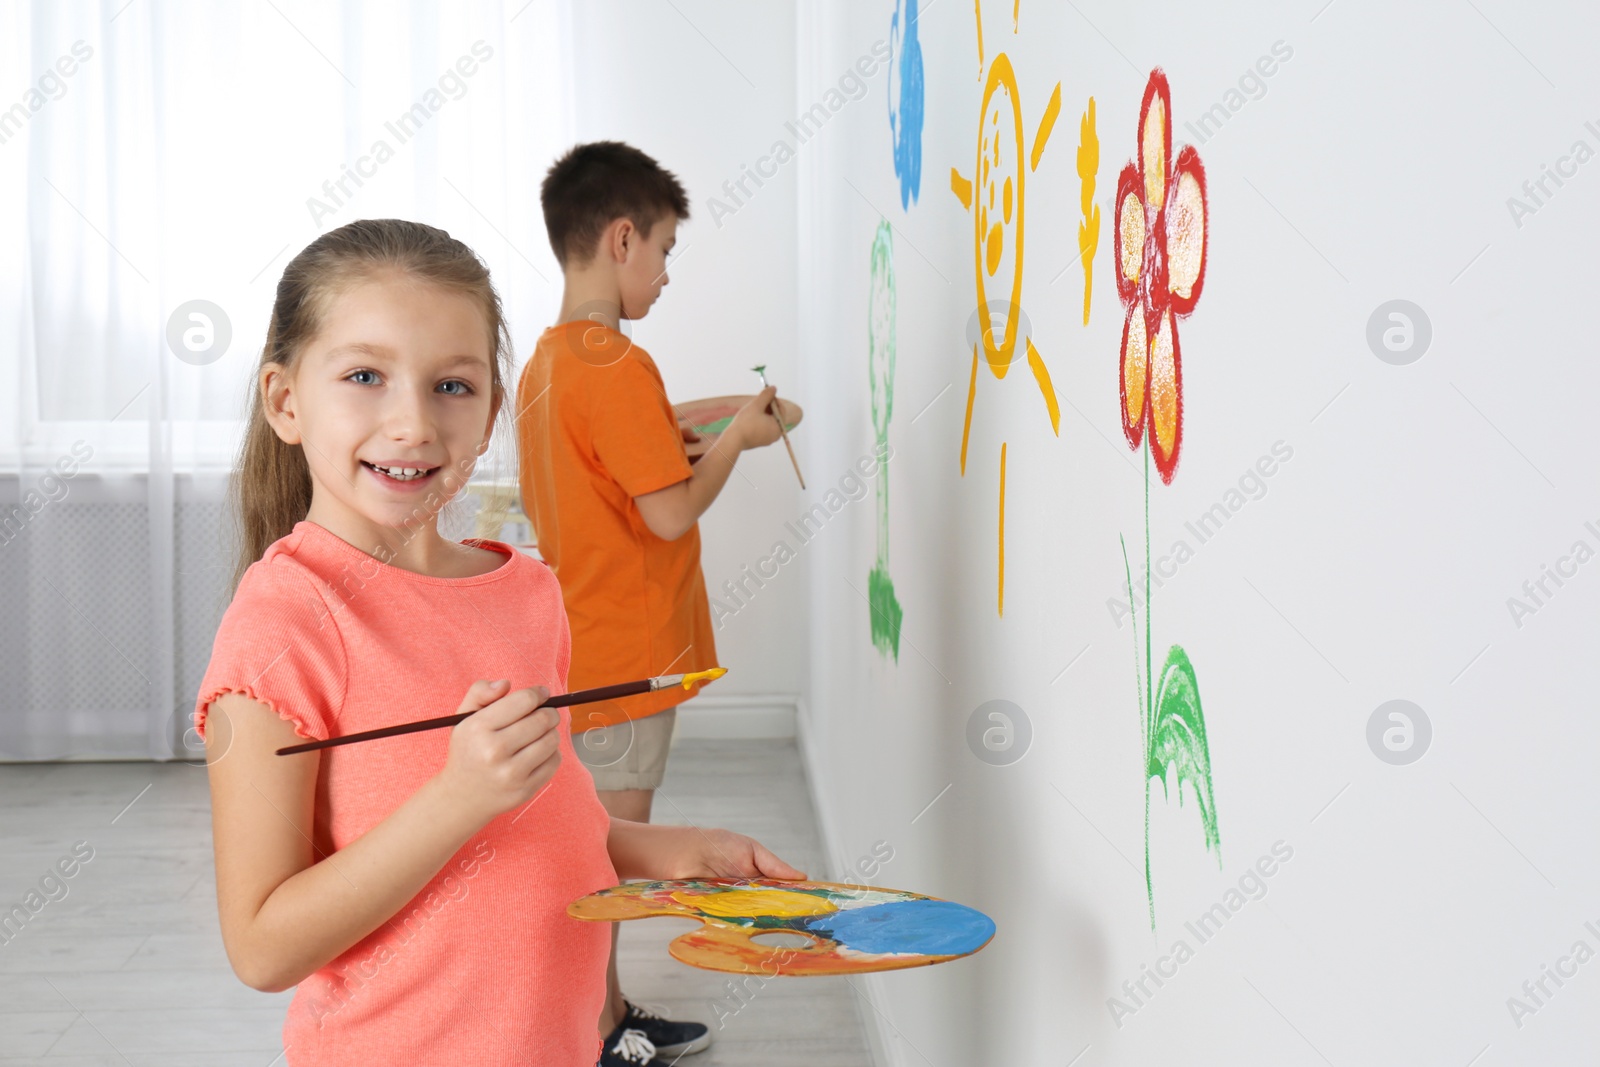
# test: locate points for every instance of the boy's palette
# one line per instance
(850, 929)
(711, 416)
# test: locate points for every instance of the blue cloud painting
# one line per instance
(905, 99)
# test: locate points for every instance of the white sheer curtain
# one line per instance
(159, 152)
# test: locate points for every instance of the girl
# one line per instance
(414, 888)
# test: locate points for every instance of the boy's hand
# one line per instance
(690, 434)
(672, 511)
(717, 853)
(753, 426)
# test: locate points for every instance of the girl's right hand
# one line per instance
(505, 753)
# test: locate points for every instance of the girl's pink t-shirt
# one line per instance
(483, 966)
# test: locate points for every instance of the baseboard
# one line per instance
(877, 1025)
(736, 717)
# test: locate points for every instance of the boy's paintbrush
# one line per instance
(582, 696)
(762, 371)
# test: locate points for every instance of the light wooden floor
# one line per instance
(128, 967)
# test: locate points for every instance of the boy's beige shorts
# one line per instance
(629, 755)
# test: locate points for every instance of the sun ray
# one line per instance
(966, 428)
(1042, 374)
(1047, 123)
(961, 187)
(1089, 228)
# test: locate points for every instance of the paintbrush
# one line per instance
(582, 696)
(778, 414)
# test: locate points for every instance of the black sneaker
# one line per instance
(628, 1048)
(671, 1039)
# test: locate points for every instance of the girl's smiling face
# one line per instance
(397, 380)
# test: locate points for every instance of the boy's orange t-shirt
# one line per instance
(484, 965)
(595, 430)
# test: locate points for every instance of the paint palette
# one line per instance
(797, 928)
(711, 416)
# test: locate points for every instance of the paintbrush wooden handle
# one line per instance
(784, 431)
(582, 696)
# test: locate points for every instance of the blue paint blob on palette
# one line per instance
(840, 928)
(926, 927)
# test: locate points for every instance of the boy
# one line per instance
(614, 500)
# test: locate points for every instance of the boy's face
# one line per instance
(644, 271)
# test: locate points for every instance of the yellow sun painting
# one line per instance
(994, 196)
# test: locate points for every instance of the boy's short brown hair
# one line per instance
(593, 185)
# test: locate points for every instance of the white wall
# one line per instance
(1376, 164)
(705, 87)
(1378, 565)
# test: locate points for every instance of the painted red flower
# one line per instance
(1160, 236)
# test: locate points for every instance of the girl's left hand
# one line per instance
(713, 853)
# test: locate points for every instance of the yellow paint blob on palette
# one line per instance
(778, 903)
(750, 926)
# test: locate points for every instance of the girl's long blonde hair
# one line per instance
(271, 487)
